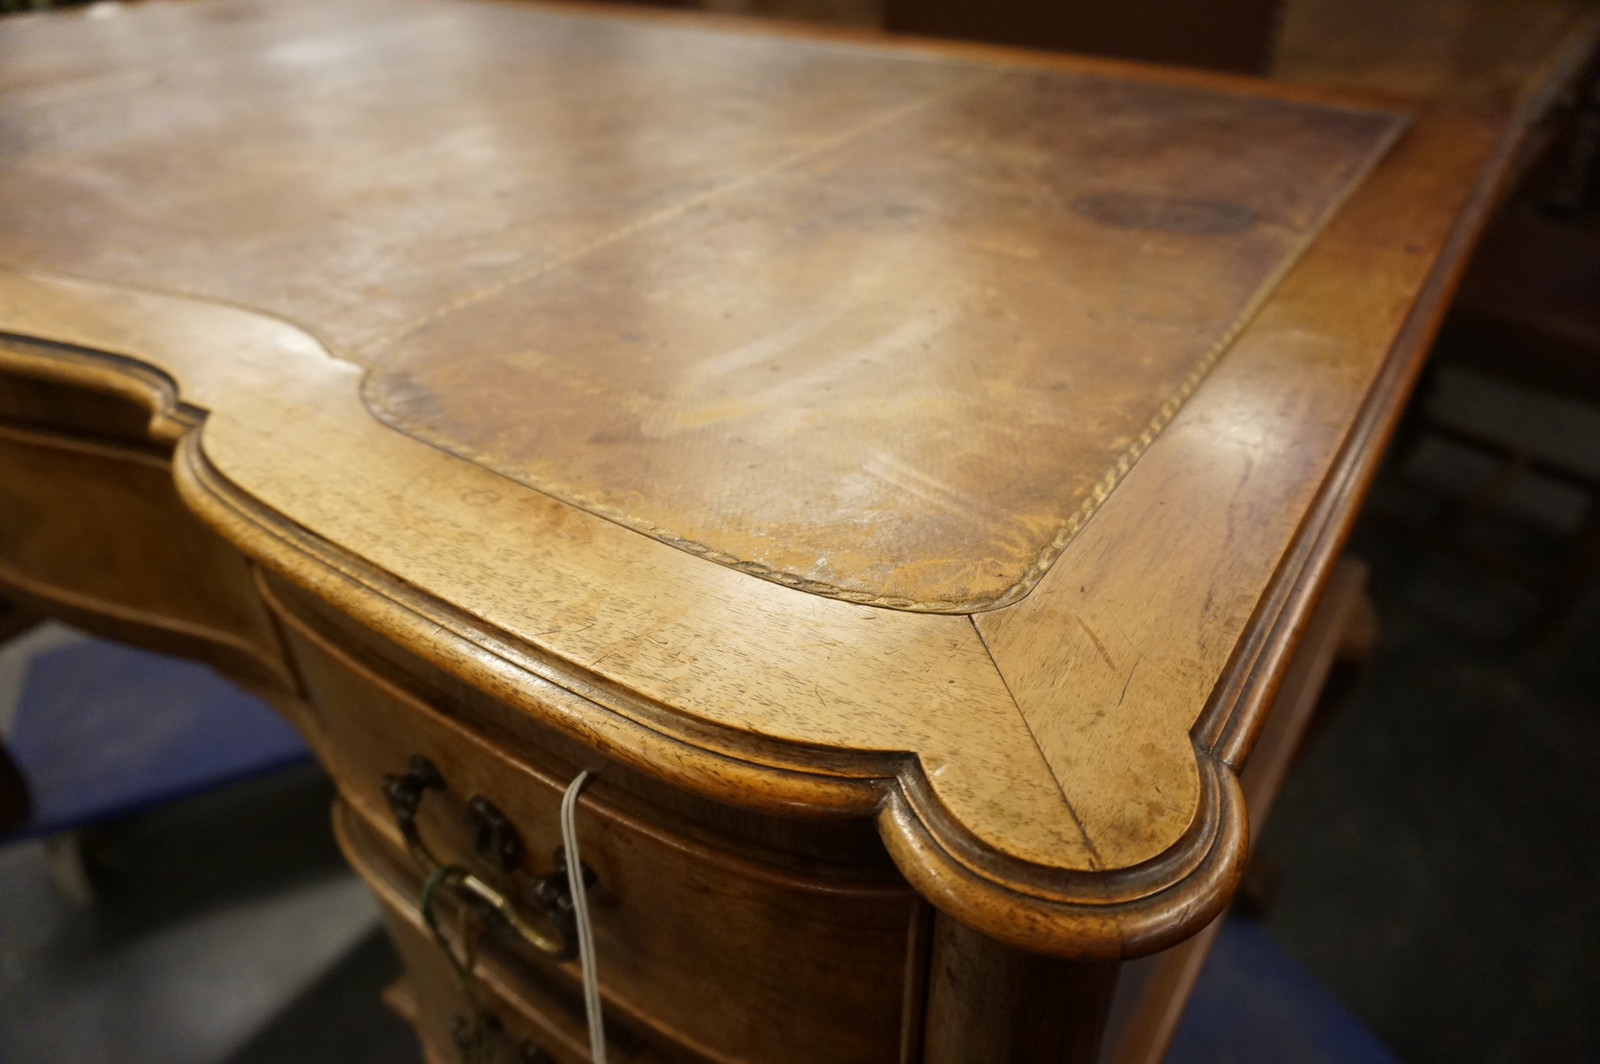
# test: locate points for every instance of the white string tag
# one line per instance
(580, 908)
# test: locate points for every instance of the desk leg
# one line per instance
(988, 1002)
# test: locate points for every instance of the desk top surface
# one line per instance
(816, 422)
(879, 326)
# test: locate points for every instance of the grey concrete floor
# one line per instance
(215, 918)
(224, 928)
(1436, 848)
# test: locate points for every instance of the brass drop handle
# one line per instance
(404, 794)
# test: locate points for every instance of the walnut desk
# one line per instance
(902, 471)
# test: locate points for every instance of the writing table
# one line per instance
(902, 472)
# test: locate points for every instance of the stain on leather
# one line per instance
(1166, 214)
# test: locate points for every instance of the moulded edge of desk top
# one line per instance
(1026, 806)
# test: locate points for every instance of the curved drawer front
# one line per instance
(511, 1012)
(703, 950)
(95, 533)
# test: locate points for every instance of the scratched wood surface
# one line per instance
(1056, 771)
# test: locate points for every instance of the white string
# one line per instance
(580, 906)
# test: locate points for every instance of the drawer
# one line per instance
(518, 1016)
(707, 951)
(96, 534)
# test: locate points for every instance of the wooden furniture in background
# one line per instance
(1527, 315)
(1516, 55)
(1234, 35)
(903, 471)
(1512, 57)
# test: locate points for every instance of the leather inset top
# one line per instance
(883, 327)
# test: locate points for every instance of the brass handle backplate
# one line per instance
(497, 838)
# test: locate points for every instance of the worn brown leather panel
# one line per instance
(865, 325)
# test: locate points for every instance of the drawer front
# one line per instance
(512, 1016)
(446, 1022)
(701, 949)
(96, 534)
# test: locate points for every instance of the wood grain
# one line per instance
(990, 1002)
(1058, 773)
(802, 962)
(1165, 637)
(878, 325)
(163, 579)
